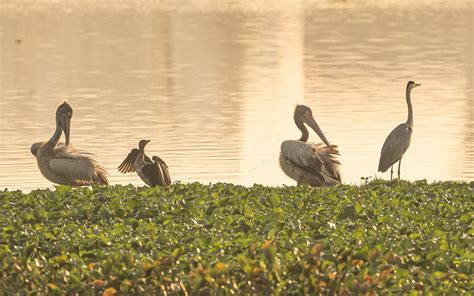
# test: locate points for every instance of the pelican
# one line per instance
(153, 173)
(63, 164)
(398, 140)
(306, 163)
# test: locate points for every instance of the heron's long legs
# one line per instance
(391, 173)
(399, 165)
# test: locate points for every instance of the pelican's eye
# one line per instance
(69, 114)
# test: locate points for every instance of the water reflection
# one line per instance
(214, 84)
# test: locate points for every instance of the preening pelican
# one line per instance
(313, 164)
(63, 164)
(153, 173)
(398, 140)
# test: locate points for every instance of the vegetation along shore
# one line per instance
(400, 237)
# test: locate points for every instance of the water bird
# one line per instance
(61, 163)
(308, 163)
(153, 171)
(398, 140)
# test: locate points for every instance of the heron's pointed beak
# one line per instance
(67, 129)
(309, 120)
(416, 84)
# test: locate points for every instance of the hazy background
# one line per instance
(213, 84)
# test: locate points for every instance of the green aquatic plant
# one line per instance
(381, 237)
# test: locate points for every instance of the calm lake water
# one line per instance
(214, 84)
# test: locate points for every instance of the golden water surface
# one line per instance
(213, 84)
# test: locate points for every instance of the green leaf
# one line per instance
(274, 200)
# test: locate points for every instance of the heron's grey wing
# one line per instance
(303, 155)
(329, 158)
(394, 146)
(164, 169)
(79, 169)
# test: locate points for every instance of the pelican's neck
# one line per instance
(303, 129)
(56, 136)
(410, 109)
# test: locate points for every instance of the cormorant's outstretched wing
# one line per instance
(164, 169)
(128, 165)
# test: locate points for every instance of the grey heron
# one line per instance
(398, 140)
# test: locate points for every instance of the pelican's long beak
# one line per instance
(67, 129)
(309, 120)
(416, 84)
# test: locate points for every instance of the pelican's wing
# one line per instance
(63, 151)
(394, 146)
(329, 158)
(303, 155)
(77, 167)
(164, 169)
(128, 164)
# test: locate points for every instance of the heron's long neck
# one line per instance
(410, 109)
(56, 136)
(303, 129)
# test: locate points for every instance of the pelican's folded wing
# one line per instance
(329, 156)
(79, 170)
(303, 155)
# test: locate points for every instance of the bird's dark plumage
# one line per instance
(128, 164)
(151, 171)
(164, 168)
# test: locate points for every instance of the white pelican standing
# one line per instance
(153, 173)
(63, 164)
(398, 140)
(312, 164)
